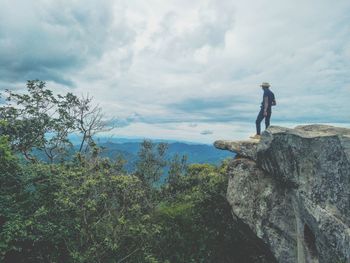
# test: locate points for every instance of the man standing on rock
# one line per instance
(265, 110)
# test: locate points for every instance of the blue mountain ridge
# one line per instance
(196, 153)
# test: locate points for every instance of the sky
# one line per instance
(185, 70)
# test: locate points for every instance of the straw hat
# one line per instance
(265, 85)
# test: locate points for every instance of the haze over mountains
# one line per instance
(196, 153)
(127, 148)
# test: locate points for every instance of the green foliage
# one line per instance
(196, 223)
(76, 214)
(90, 210)
(33, 115)
(40, 120)
(9, 179)
(177, 169)
(6, 156)
(151, 161)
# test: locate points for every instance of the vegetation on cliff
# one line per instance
(89, 209)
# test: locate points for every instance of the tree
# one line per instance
(196, 224)
(71, 213)
(149, 167)
(88, 209)
(177, 169)
(90, 120)
(39, 120)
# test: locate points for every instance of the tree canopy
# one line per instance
(88, 209)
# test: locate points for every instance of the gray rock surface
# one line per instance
(293, 190)
(245, 149)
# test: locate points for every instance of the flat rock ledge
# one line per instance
(246, 149)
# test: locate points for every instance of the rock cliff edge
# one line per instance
(292, 189)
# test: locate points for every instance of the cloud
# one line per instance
(168, 65)
(207, 29)
(52, 40)
(124, 122)
(207, 132)
(215, 109)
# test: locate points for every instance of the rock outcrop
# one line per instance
(293, 190)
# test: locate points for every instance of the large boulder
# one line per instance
(293, 190)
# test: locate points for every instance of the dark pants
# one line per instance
(260, 118)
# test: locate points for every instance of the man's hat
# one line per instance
(265, 85)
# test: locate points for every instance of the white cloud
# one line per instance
(161, 66)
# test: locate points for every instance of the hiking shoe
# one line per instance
(256, 137)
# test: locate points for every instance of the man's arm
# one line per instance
(266, 104)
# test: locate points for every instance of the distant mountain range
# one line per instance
(128, 149)
(196, 153)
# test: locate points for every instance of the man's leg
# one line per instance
(258, 121)
(267, 119)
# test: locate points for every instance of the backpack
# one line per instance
(273, 103)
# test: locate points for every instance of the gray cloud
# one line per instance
(196, 104)
(124, 122)
(207, 132)
(215, 18)
(53, 40)
(163, 63)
